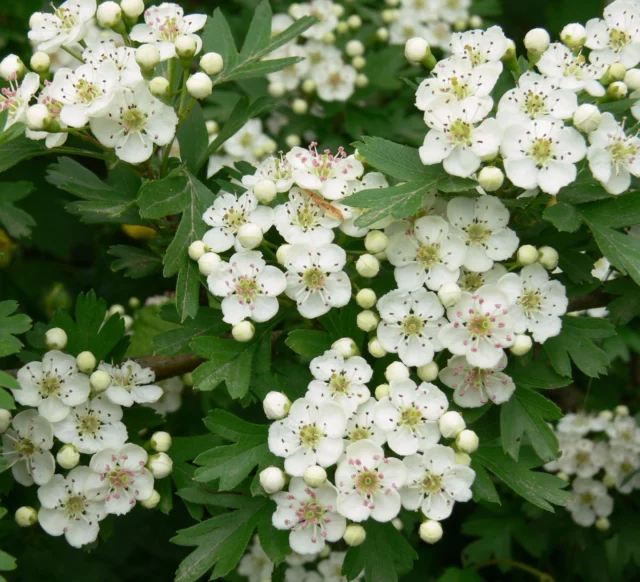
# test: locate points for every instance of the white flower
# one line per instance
(67, 25)
(335, 82)
(435, 482)
(407, 26)
(577, 425)
(454, 11)
(171, 398)
(582, 457)
(326, 173)
(255, 564)
(15, 98)
(290, 77)
(130, 383)
(123, 57)
(571, 71)
(623, 465)
(302, 221)
(164, 24)
(228, 214)
(361, 426)
(481, 46)
(543, 153)
(249, 286)
(409, 415)
(331, 568)
(430, 255)
(589, 500)
(410, 324)
(616, 39)
(320, 55)
(26, 448)
(613, 156)
(70, 508)
(323, 11)
(624, 432)
(473, 387)
(368, 483)
(339, 380)
(482, 225)
(310, 514)
(315, 279)
(276, 169)
(53, 385)
(536, 303)
(536, 96)
(52, 140)
(248, 143)
(481, 327)
(310, 435)
(92, 426)
(122, 471)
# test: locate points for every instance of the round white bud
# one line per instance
(342, 27)
(375, 348)
(109, 14)
(55, 339)
(160, 465)
(212, 127)
(211, 63)
(548, 258)
(346, 347)
(527, 255)
(609, 480)
(196, 249)
(354, 535)
(116, 309)
(416, 49)
(199, 86)
(616, 72)
(160, 441)
(243, 331)
(147, 56)
(86, 362)
(186, 46)
(361, 81)
(308, 86)
(300, 106)
(367, 266)
(397, 523)
(134, 303)
(573, 35)
(152, 501)
(366, 298)
(603, 524)
(460, 25)
(26, 516)
(277, 89)
(100, 381)
(132, 8)
(272, 480)
(5, 420)
(159, 86)
(354, 48)
(292, 141)
(449, 294)
(128, 322)
(396, 371)
(281, 253)
(314, 476)
(382, 391)
(208, 263)
(354, 22)
(521, 345)
(606, 414)
(367, 320)
(329, 38)
(276, 405)
(491, 178)
(587, 117)
(250, 235)
(359, 63)
(389, 16)
(617, 90)
(463, 459)
(40, 62)
(467, 441)
(382, 34)
(537, 40)
(376, 241)
(428, 372)
(68, 457)
(38, 117)
(632, 79)
(12, 67)
(563, 476)
(451, 424)
(430, 531)
(265, 191)
(622, 410)
(187, 380)
(269, 146)
(475, 21)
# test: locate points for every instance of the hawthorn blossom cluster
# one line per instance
(79, 412)
(600, 455)
(555, 121)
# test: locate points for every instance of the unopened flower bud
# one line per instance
(451, 424)
(574, 35)
(527, 255)
(617, 90)
(300, 106)
(55, 339)
(376, 241)
(196, 249)
(160, 441)
(186, 46)
(86, 362)
(276, 405)
(354, 22)
(277, 89)
(475, 21)
(622, 410)
(329, 38)
(26, 516)
(430, 531)
(382, 34)
(375, 348)
(243, 331)
(491, 178)
(208, 263)
(109, 14)
(272, 479)
(187, 379)
(211, 63)
(147, 56)
(100, 381)
(159, 86)
(396, 371)
(522, 345)
(12, 67)
(537, 41)
(342, 27)
(510, 53)
(128, 322)
(467, 441)
(609, 480)
(416, 49)
(428, 372)
(152, 501)
(354, 48)
(616, 72)
(366, 298)
(548, 258)
(354, 535)
(361, 81)
(199, 86)
(282, 252)
(68, 457)
(160, 465)
(603, 524)
(382, 391)
(367, 266)
(5, 420)
(212, 127)
(250, 235)
(449, 294)
(338, 10)
(134, 303)
(463, 459)
(38, 117)
(359, 63)
(346, 347)
(116, 309)
(606, 414)
(563, 476)
(40, 62)
(587, 117)
(632, 79)
(397, 523)
(314, 476)
(367, 320)
(132, 8)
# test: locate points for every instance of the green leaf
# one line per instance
(399, 161)
(458, 575)
(7, 381)
(622, 250)
(575, 343)
(19, 149)
(193, 137)
(483, 488)
(536, 375)
(10, 133)
(308, 343)
(384, 554)
(584, 189)
(274, 542)
(135, 262)
(616, 212)
(259, 33)
(7, 562)
(563, 216)
(15, 220)
(208, 322)
(11, 324)
(146, 326)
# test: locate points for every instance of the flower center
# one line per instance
(310, 436)
(120, 478)
(460, 133)
(583, 457)
(479, 326)
(428, 256)
(314, 279)
(410, 417)
(474, 56)
(339, 384)
(460, 90)
(310, 512)
(626, 467)
(477, 234)
(618, 39)
(335, 80)
(412, 325)
(471, 281)
(247, 288)
(307, 217)
(50, 386)
(622, 152)
(431, 483)
(66, 17)
(541, 151)
(535, 105)
(134, 120)
(169, 30)
(87, 92)
(360, 434)
(587, 498)
(88, 425)
(246, 140)
(25, 448)
(530, 301)
(368, 482)
(234, 219)
(74, 506)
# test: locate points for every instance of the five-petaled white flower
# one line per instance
(623, 464)
(276, 169)
(435, 482)
(361, 425)
(335, 82)
(323, 11)
(130, 383)
(616, 38)
(67, 25)
(571, 71)
(311, 515)
(123, 58)
(310, 435)
(582, 457)
(52, 140)
(53, 385)
(368, 483)
(15, 98)
(481, 47)
(589, 501)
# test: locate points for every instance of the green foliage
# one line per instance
(308, 343)
(11, 325)
(19, 149)
(135, 262)
(16, 221)
(208, 322)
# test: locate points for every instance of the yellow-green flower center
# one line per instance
(621, 151)
(587, 498)
(460, 132)
(67, 18)
(87, 92)
(247, 289)
(338, 384)
(234, 219)
(431, 483)
(314, 279)
(541, 152)
(74, 506)
(307, 217)
(360, 434)
(428, 256)
(412, 325)
(88, 425)
(618, 39)
(368, 482)
(134, 120)
(50, 386)
(478, 233)
(471, 281)
(535, 105)
(479, 326)
(410, 417)
(310, 436)
(530, 301)
(25, 448)
(460, 90)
